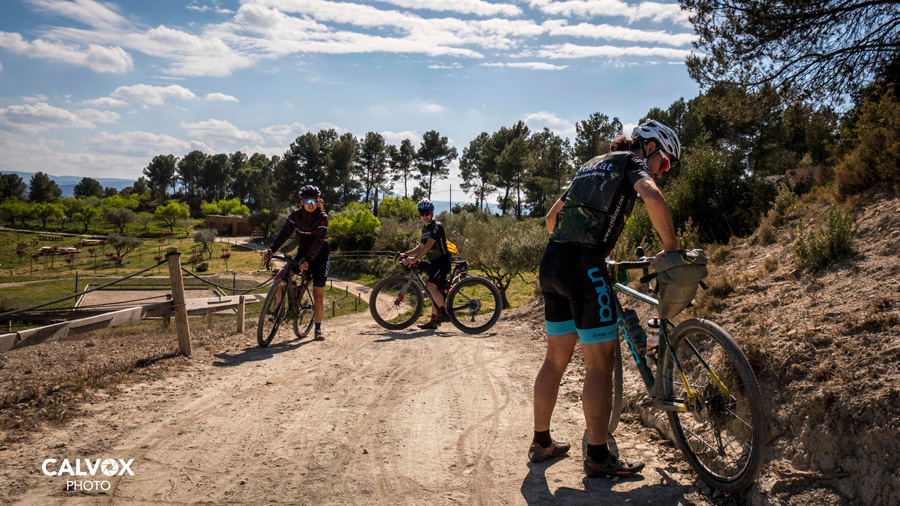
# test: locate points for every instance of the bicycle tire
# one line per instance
(616, 412)
(726, 416)
(264, 337)
(472, 307)
(305, 312)
(407, 310)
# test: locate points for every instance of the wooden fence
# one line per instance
(177, 307)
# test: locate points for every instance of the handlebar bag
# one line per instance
(679, 275)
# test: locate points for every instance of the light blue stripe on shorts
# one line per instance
(597, 335)
(559, 328)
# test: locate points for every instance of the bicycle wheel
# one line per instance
(396, 302)
(721, 435)
(305, 306)
(474, 305)
(616, 413)
(272, 314)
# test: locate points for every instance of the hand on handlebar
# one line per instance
(409, 261)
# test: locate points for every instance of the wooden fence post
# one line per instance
(173, 257)
(332, 308)
(240, 316)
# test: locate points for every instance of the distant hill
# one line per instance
(67, 183)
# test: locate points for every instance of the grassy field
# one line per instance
(93, 260)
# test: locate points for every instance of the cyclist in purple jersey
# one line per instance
(310, 222)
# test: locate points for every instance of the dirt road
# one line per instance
(366, 417)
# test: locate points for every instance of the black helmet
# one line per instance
(309, 191)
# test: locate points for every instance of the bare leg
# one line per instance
(279, 293)
(596, 398)
(318, 303)
(546, 385)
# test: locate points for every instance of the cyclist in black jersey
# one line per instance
(584, 225)
(434, 247)
(311, 224)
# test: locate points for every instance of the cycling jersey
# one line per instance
(599, 201)
(311, 228)
(435, 230)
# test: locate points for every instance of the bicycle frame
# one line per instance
(416, 274)
(293, 303)
(653, 382)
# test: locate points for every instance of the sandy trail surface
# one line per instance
(368, 416)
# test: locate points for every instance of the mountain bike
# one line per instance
(286, 300)
(703, 381)
(474, 303)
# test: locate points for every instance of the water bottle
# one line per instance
(633, 324)
(652, 333)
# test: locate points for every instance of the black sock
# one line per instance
(543, 438)
(598, 453)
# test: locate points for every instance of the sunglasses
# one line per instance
(424, 213)
(310, 202)
(665, 162)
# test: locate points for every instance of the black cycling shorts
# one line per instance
(578, 294)
(437, 270)
(318, 268)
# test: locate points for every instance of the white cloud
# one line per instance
(197, 8)
(534, 65)
(653, 11)
(89, 12)
(96, 57)
(213, 130)
(190, 55)
(478, 7)
(105, 102)
(428, 107)
(610, 32)
(152, 95)
(138, 143)
(1, 67)
(35, 99)
(576, 51)
(397, 137)
(39, 117)
(221, 97)
(450, 66)
(545, 119)
(95, 116)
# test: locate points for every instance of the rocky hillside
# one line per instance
(826, 348)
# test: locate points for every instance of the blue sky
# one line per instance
(93, 88)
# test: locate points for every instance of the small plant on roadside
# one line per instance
(226, 254)
(770, 263)
(195, 259)
(817, 249)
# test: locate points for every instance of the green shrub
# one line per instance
(818, 249)
(784, 199)
(353, 231)
(398, 208)
(394, 235)
(874, 159)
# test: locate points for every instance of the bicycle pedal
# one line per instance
(648, 402)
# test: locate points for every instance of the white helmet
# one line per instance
(653, 130)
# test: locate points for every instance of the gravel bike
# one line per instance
(703, 381)
(474, 303)
(286, 300)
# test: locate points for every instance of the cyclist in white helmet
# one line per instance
(578, 300)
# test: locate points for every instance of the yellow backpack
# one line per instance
(452, 248)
